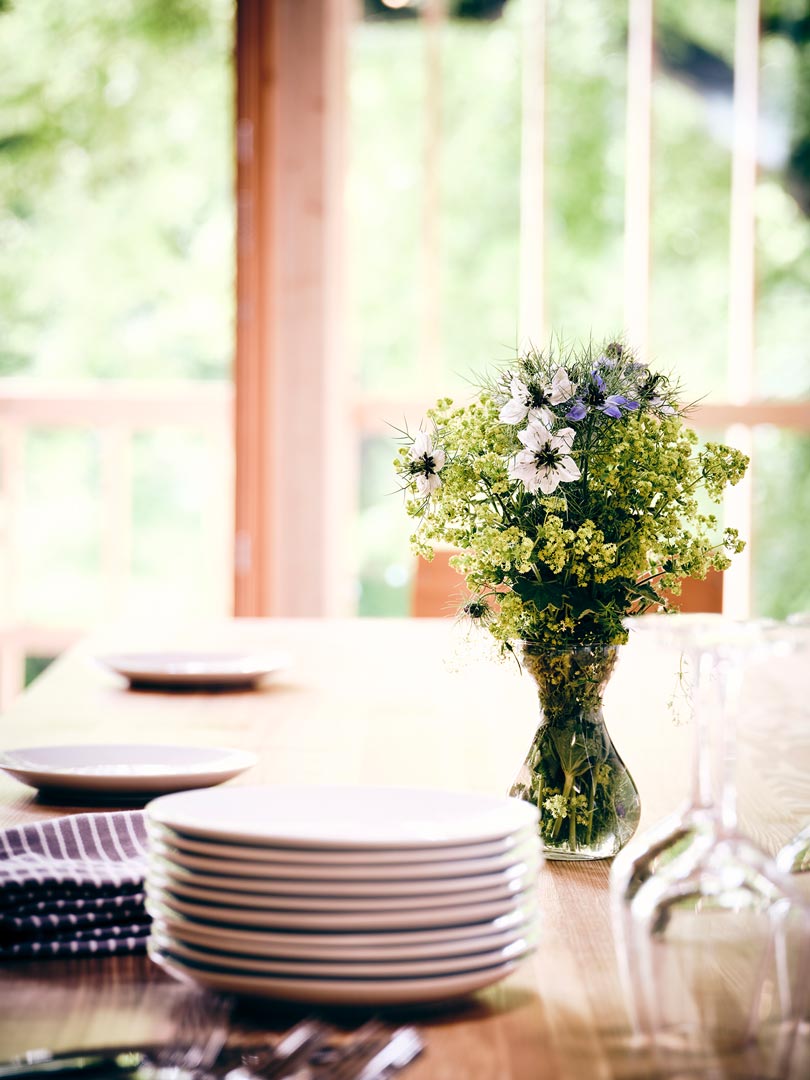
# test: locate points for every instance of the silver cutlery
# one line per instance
(375, 1055)
(197, 1050)
(199, 1034)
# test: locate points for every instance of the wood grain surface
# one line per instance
(417, 703)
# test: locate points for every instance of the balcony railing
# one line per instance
(115, 411)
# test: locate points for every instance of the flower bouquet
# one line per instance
(570, 486)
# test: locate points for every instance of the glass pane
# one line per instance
(116, 263)
(585, 120)
(781, 558)
(173, 501)
(480, 194)
(691, 169)
(783, 205)
(58, 535)
(384, 563)
(115, 188)
(386, 116)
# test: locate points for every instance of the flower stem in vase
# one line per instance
(589, 806)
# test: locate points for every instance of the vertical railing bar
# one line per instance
(532, 309)
(637, 199)
(433, 17)
(742, 286)
(116, 485)
(12, 493)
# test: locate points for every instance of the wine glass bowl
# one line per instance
(712, 937)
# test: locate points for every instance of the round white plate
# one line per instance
(194, 668)
(409, 945)
(376, 992)
(278, 919)
(348, 861)
(333, 817)
(125, 768)
(294, 941)
(326, 969)
(158, 882)
(254, 878)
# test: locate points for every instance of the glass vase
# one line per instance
(588, 803)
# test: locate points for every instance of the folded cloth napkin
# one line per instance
(74, 886)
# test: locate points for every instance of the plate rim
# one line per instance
(187, 929)
(521, 947)
(503, 805)
(269, 919)
(230, 762)
(379, 992)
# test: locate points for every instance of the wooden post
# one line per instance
(292, 439)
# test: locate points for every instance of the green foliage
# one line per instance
(115, 188)
(561, 554)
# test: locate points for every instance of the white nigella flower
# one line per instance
(545, 462)
(533, 401)
(426, 461)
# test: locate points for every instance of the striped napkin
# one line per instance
(74, 886)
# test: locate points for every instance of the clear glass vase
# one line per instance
(589, 805)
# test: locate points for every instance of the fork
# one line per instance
(200, 1032)
(374, 1053)
(289, 1055)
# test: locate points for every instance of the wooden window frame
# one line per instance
(298, 428)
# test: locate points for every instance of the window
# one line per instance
(116, 267)
(520, 166)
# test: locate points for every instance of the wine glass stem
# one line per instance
(701, 794)
(729, 672)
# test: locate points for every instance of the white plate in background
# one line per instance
(190, 669)
(124, 768)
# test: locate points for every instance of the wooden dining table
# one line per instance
(418, 703)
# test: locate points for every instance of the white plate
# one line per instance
(157, 882)
(125, 768)
(253, 877)
(333, 817)
(303, 942)
(375, 992)
(194, 668)
(337, 969)
(278, 919)
(408, 945)
(348, 861)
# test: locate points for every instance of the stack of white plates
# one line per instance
(348, 896)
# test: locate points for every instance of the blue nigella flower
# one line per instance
(594, 395)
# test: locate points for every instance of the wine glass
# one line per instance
(648, 853)
(720, 936)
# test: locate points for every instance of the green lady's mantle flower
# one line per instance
(585, 515)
